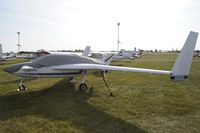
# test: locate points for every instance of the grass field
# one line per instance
(141, 102)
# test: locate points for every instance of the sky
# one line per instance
(73, 24)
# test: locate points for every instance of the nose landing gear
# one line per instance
(21, 87)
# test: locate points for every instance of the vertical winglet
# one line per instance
(183, 62)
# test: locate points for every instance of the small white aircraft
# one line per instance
(122, 54)
(129, 54)
(5, 57)
(125, 55)
(74, 65)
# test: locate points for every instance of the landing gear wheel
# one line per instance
(82, 87)
(22, 88)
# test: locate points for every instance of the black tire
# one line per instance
(83, 87)
(23, 88)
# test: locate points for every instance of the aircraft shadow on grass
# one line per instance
(16, 81)
(62, 102)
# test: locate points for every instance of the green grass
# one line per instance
(141, 102)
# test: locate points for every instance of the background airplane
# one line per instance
(86, 51)
(74, 65)
(7, 56)
(126, 55)
(122, 54)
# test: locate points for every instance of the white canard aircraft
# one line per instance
(74, 65)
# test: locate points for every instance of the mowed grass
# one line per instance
(141, 102)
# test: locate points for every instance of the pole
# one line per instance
(1, 52)
(118, 24)
(18, 34)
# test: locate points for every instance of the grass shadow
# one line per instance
(62, 102)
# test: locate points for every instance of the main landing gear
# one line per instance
(83, 85)
(103, 77)
(21, 87)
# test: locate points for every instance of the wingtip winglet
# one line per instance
(181, 68)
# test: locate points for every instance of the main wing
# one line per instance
(109, 68)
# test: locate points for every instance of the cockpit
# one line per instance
(54, 60)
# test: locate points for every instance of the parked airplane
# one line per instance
(5, 57)
(129, 54)
(125, 55)
(122, 54)
(8, 56)
(74, 65)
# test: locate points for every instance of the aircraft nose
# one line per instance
(14, 68)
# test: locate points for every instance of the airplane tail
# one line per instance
(86, 51)
(107, 58)
(183, 62)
